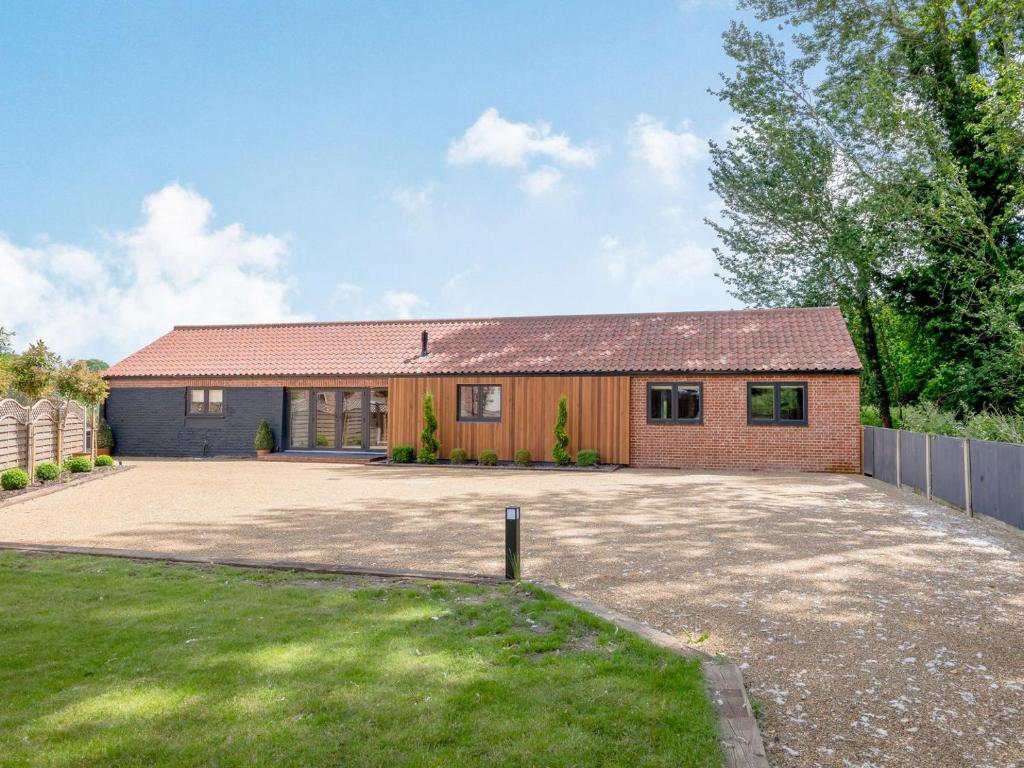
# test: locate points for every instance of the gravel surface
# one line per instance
(874, 628)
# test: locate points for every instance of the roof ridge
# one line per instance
(493, 318)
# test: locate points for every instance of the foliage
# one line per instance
(6, 341)
(74, 381)
(77, 464)
(458, 456)
(474, 675)
(264, 437)
(104, 435)
(586, 457)
(403, 454)
(32, 372)
(523, 458)
(104, 461)
(14, 480)
(95, 364)
(880, 166)
(560, 451)
(870, 417)
(47, 471)
(488, 458)
(927, 417)
(429, 446)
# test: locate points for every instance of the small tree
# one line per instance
(264, 437)
(33, 371)
(428, 437)
(560, 452)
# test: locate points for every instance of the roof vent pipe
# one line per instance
(423, 344)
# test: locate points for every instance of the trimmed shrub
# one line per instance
(586, 458)
(458, 456)
(523, 458)
(403, 454)
(428, 437)
(104, 436)
(78, 464)
(104, 461)
(560, 451)
(48, 471)
(488, 458)
(264, 437)
(14, 480)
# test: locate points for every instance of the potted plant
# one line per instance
(104, 439)
(264, 442)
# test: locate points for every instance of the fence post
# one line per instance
(928, 465)
(899, 468)
(30, 459)
(967, 477)
(95, 421)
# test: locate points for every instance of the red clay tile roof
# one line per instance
(771, 340)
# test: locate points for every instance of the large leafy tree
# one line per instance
(850, 181)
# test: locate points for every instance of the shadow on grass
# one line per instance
(112, 662)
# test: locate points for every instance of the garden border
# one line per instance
(738, 730)
(46, 490)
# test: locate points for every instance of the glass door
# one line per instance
(378, 440)
(298, 418)
(353, 422)
(326, 419)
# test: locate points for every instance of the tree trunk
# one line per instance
(874, 362)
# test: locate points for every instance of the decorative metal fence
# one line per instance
(973, 475)
(46, 431)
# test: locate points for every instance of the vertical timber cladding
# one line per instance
(598, 409)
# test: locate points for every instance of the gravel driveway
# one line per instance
(874, 628)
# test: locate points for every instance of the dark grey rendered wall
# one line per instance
(151, 422)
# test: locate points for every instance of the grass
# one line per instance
(113, 662)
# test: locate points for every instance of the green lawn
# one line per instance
(111, 662)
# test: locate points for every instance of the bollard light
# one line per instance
(512, 562)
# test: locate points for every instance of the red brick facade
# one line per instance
(830, 442)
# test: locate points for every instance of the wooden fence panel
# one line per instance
(43, 418)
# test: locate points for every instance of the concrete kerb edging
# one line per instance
(298, 566)
(46, 490)
(737, 726)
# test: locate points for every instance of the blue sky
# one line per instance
(182, 163)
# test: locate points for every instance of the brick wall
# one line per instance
(148, 421)
(829, 443)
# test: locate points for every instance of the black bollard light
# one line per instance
(512, 561)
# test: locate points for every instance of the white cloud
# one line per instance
(615, 259)
(654, 280)
(493, 140)
(403, 305)
(667, 153)
(174, 268)
(414, 200)
(540, 182)
(667, 274)
(347, 300)
(344, 296)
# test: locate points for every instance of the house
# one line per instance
(740, 389)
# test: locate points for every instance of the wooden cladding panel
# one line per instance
(598, 415)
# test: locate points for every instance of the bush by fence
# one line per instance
(973, 475)
(32, 435)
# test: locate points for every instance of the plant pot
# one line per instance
(102, 451)
(262, 451)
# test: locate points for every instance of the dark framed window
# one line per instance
(777, 402)
(479, 402)
(205, 402)
(675, 403)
